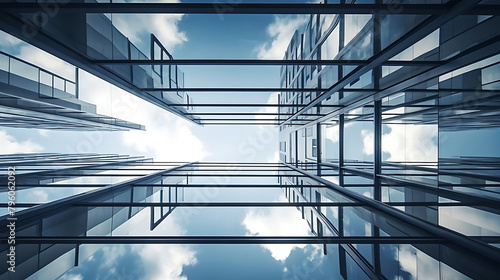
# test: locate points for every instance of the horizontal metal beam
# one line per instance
(260, 62)
(418, 32)
(221, 8)
(35, 213)
(479, 52)
(204, 169)
(77, 185)
(256, 89)
(63, 175)
(239, 89)
(249, 114)
(233, 175)
(223, 240)
(243, 120)
(478, 248)
(257, 204)
(247, 105)
(260, 124)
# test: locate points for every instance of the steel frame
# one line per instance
(251, 8)
(431, 234)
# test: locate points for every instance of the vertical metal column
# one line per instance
(377, 151)
(296, 132)
(318, 148)
(377, 135)
(341, 150)
(341, 95)
(77, 88)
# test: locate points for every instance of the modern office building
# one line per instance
(388, 125)
(89, 196)
(91, 42)
(401, 123)
(32, 97)
(96, 201)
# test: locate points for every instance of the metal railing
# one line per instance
(18, 72)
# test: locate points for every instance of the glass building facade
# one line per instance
(89, 196)
(389, 164)
(32, 97)
(91, 42)
(400, 122)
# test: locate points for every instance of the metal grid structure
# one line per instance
(32, 97)
(125, 66)
(101, 210)
(426, 73)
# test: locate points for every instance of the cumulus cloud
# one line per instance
(7, 40)
(165, 27)
(281, 30)
(167, 262)
(405, 142)
(148, 261)
(72, 277)
(36, 56)
(332, 133)
(10, 145)
(280, 221)
(167, 137)
(273, 99)
(275, 158)
(47, 61)
(367, 141)
(163, 261)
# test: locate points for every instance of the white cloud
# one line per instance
(162, 261)
(279, 221)
(159, 262)
(167, 136)
(165, 27)
(368, 144)
(273, 99)
(39, 195)
(111, 255)
(36, 56)
(281, 30)
(72, 277)
(332, 133)
(275, 158)
(7, 40)
(47, 61)
(43, 132)
(408, 259)
(10, 145)
(411, 143)
(166, 261)
(406, 142)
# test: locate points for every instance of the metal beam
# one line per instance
(223, 240)
(76, 185)
(243, 105)
(460, 240)
(246, 8)
(479, 52)
(33, 214)
(225, 89)
(423, 29)
(259, 62)
(259, 204)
